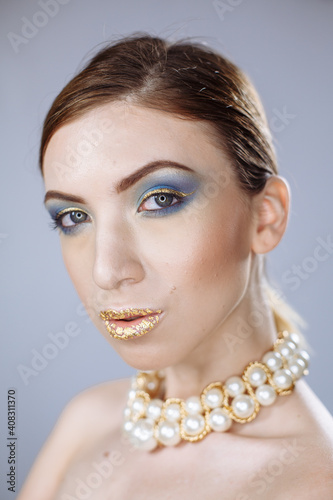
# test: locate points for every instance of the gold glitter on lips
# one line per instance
(128, 332)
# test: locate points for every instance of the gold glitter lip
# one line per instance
(149, 320)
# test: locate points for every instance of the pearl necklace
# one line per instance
(150, 422)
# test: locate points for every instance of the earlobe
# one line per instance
(271, 214)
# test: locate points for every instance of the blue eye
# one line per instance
(162, 200)
(68, 220)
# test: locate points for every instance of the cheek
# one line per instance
(210, 249)
(77, 264)
(217, 264)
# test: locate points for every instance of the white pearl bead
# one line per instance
(213, 397)
(138, 406)
(272, 360)
(134, 384)
(303, 355)
(131, 394)
(168, 433)
(283, 379)
(219, 420)
(294, 337)
(127, 412)
(194, 424)
(193, 405)
(287, 349)
(265, 394)
(128, 426)
(243, 406)
(142, 435)
(235, 386)
(297, 367)
(152, 385)
(256, 376)
(153, 410)
(172, 412)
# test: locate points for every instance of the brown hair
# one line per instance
(186, 79)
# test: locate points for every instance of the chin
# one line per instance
(145, 362)
(145, 353)
(143, 358)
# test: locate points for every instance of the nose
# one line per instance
(116, 262)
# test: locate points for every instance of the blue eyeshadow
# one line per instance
(180, 182)
(54, 208)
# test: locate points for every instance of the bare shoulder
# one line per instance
(102, 403)
(291, 448)
(310, 474)
(308, 469)
(317, 422)
(106, 400)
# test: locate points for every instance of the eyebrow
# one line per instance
(125, 183)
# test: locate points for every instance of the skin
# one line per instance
(200, 264)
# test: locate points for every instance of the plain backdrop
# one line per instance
(286, 48)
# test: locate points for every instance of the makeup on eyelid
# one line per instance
(179, 188)
(177, 200)
(178, 181)
(55, 211)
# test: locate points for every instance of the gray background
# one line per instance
(285, 47)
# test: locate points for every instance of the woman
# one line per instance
(161, 177)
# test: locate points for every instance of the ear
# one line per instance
(271, 210)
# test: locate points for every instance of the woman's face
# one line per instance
(186, 251)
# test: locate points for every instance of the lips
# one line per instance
(127, 313)
(130, 323)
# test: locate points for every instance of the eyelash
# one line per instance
(162, 211)
(57, 218)
(56, 222)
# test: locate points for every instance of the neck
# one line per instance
(245, 335)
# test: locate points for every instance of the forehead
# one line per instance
(124, 137)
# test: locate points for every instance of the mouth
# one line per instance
(130, 323)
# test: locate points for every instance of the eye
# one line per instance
(67, 220)
(161, 199)
(72, 218)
